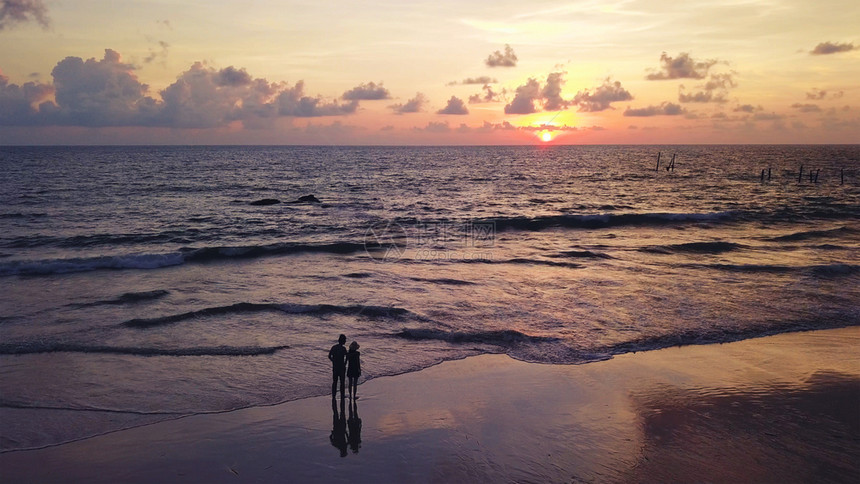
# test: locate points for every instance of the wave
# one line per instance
(494, 337)
(715, 247)
(814, 234)
(583, 254)
(185, 255)
(443, 281)
(822, 271)
(127, 298)
(40, 348)
(248, 308)
(518, 260)
(605, 220)
(558, 350)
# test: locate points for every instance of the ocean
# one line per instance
(140, 284)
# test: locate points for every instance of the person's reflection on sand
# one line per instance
(338, 430)
(354, 424)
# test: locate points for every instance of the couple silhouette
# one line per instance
(345, 432)
(345, 363)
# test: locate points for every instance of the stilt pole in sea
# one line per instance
(658, 161)
(800, 174)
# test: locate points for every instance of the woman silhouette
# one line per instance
(353, 360)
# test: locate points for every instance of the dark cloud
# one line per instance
(826, 48)
(664, 109)
(806, 108)
(715, 90)
(601, 97)
(474, 80)
(367, 92)
(489, 95)
(22, 102)
(498, 59)
(551, 92)
(681, 67)
(524, 98)
(21, 11)
(102, 92)
(414, 105)
(107, 92)
(455, 106)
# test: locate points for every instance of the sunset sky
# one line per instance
(429, 72)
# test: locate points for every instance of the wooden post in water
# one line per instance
(800, 174)
(768, 173)
(816, 174)
(658, 161)
(762, 175)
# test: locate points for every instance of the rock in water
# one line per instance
(308, 199)
(266, 201)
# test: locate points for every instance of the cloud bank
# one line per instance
(106, 92)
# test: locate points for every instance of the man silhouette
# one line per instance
(337, 355)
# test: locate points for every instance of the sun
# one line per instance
(546, 136)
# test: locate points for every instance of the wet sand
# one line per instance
(784, 408)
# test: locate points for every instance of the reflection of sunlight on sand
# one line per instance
(414, 420)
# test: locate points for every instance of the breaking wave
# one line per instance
(247, 308)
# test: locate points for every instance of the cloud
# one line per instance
(21, 11)
(367, 92)
(475, 80)
(747, 108)
(414, 105)
(664, 109)
(293, 102)
(715, 90)
(455, 106)
(22, 102)
(441, 127)
(767, 117)
(153, 54)
(817, 94)
(601, 97)
(106, 92)
(826, 48)
(681, 67)
(489, 95)
(806, 108)
(102, 92)
(524, 98)
(551, 92)
(498, 59)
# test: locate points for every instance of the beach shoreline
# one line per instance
(779, 408)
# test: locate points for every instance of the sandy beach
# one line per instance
(783, 408)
